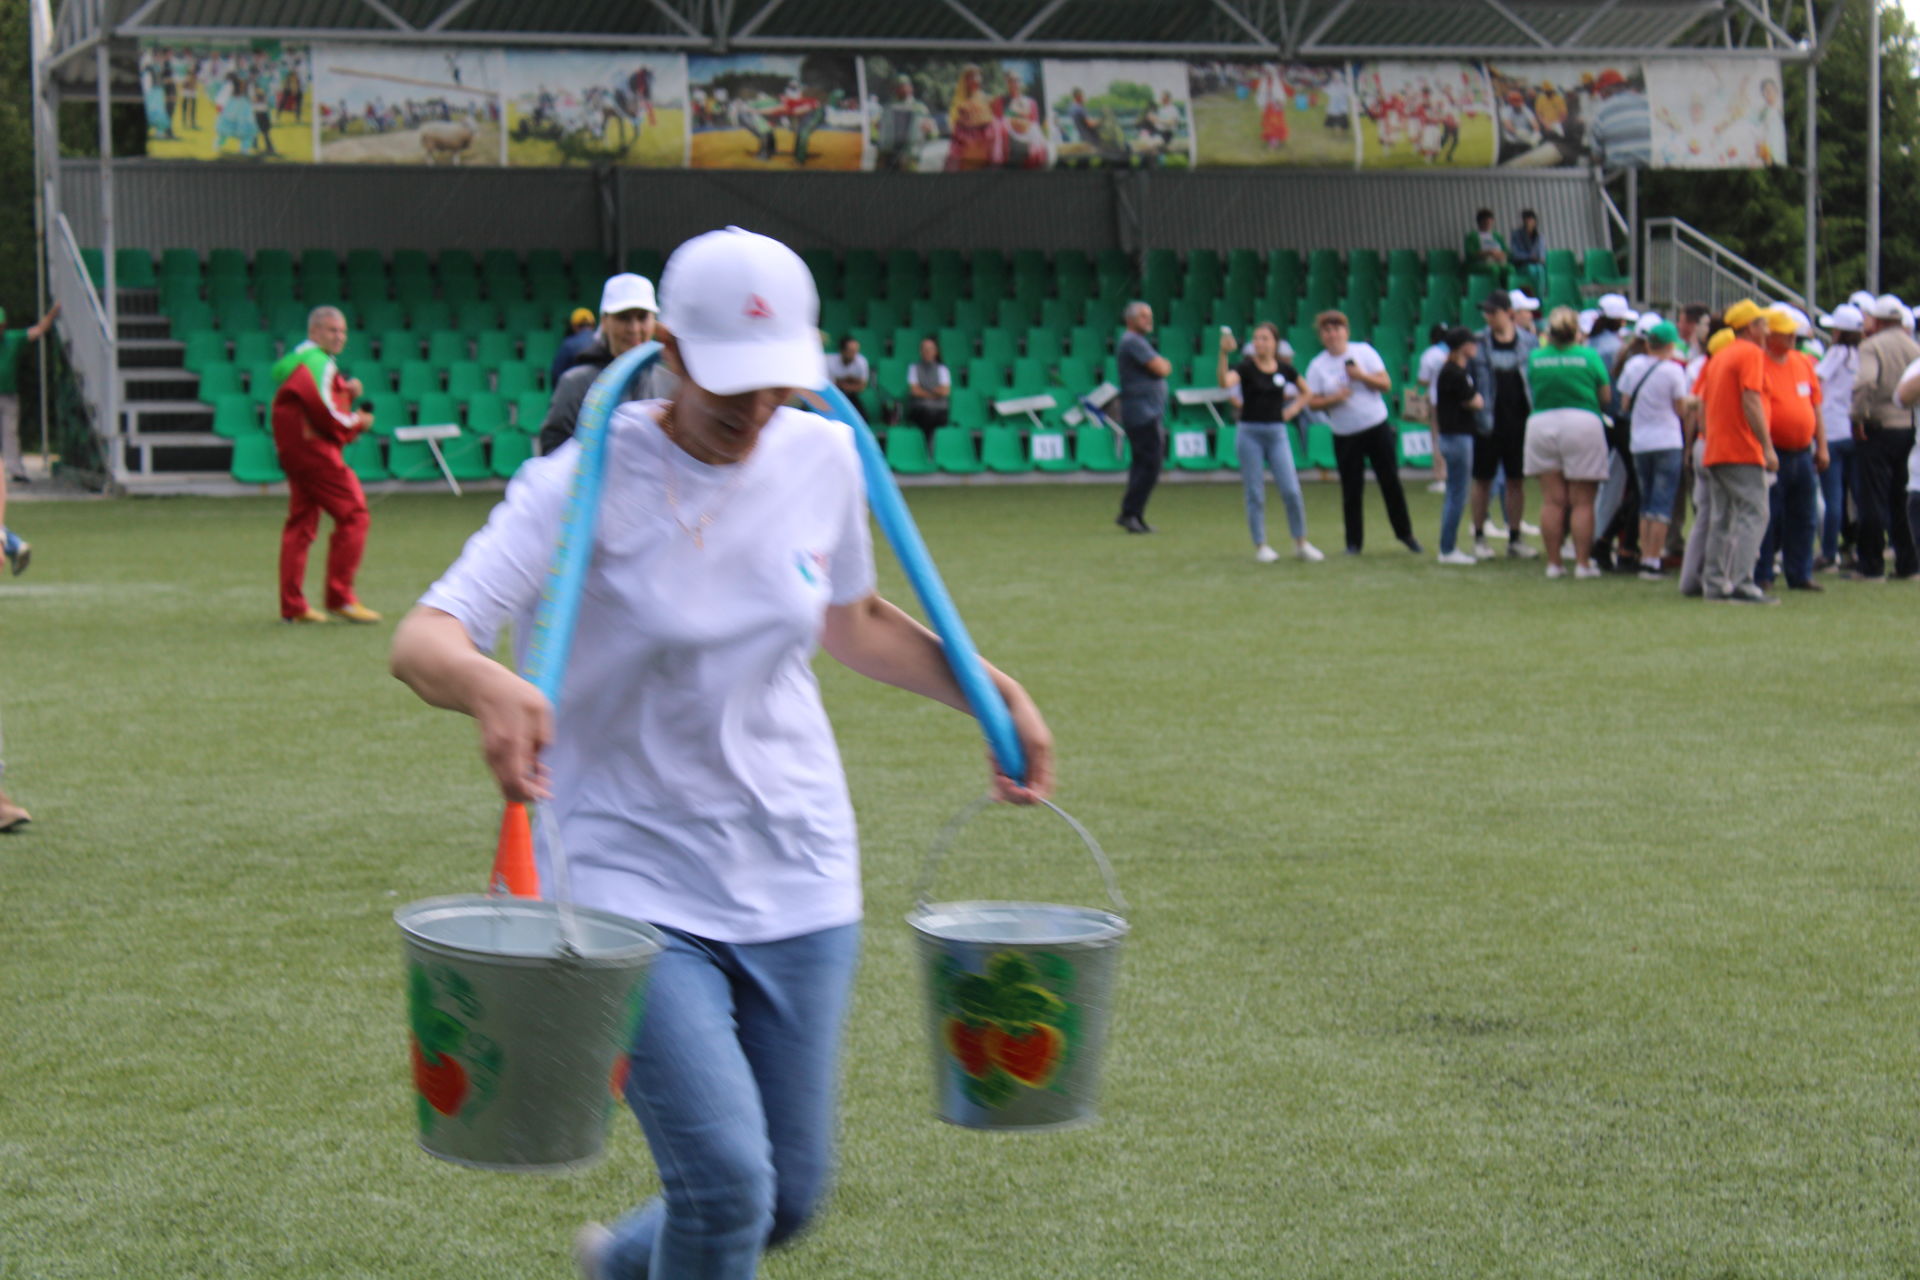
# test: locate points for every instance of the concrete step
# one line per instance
(158, 384)
(158, 453)
(144, 328)
(150, 353)
(144, 417)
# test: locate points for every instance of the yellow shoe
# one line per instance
(311, 615)
(356, 612)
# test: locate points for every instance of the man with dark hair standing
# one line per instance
(1143, 408)
(1499, 371)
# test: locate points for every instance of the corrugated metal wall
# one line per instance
(349, 207)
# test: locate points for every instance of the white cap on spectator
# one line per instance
(1519, 301)
(1614, 307)
(744, 310)
(627, 292)
(1802, 327)
(1846, 317)
(1587, 319)
(1863, 300)
(1906, 317)
(1648, 321)
(1886, 307)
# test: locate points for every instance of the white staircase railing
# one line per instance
(92, 346)
(1681, 264)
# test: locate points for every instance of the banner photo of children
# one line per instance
(933, 114)
(214, 100)
(1119, 115)
(1423, 115)
(410, 104)
(1263, 113)
(567, 107)
(775, 111)
(1558, 115)
(1717, 113)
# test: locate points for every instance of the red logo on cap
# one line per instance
(757, 308)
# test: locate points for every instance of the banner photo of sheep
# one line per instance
(1717, 113)
(567, 107)
(1560, 115)
(1271, 113)
(937, 114)
(775, 111)
(1119, 115)
(410, 104)
(224, 100)
(1415, 115)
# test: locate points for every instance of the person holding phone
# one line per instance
(1348, 382)
(1267, 388)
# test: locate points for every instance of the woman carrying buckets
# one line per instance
(689, 761)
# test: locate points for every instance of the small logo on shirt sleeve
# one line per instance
(812, 566)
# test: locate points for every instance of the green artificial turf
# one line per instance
(1482, 926)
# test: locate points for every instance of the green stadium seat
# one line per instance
(1416, 445)
(203, 347)
(96, 264)
(1320, 446)
(436, 408)
(446, 346)
(1203, 370)
(375, 377)
(255, 460)
(1191, 450)
(530, 410)
(925, 315)
(133, 269)
(647, 262)
(538, 347)
(954, 451)
(1030, 377)
(1051, 449)
(1226, 441)
(956, 344)
(219, 378)
(826, 270)
(260, 382)
(238, 317)
(466, 456)
(473, 317)
(236, 415)
(907, 451)
(179, 264)
(1076, 376)
(518, 317)
(1003, 451)
(508, 449)
(1099, 448)
(397, 345)
(495, 347)
(487, 412)
(984, 374)
(1601, 268)
(464, 377)
(885, 315)
(1044, 344)
(411, 460)
(254, 347)
(419, 379)
(516, 378)
(999, 345)
(1175, 341)
(363, 459)
(389, 411)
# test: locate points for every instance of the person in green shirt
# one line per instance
(13, 350)
(1567, 439)
(1486, 250)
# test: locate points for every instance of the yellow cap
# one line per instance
(1743, 313)
(579, 317)
(1720, 341)
(1779, 321)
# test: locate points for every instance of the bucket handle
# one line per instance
(944, 842)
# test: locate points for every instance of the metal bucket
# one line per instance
(1018, 1000)
(520, 1012)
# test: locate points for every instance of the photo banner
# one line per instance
(775, 111)
(932, 114)
(1418, 115)
(1717, 113)
(570, 108)
(410, 104)
(1271, 113)
(227, 99)
(1116, 115)
(1565, 115)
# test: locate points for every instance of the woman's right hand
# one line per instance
(1228, 343)
(516, 724)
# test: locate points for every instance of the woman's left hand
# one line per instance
(1035, 739)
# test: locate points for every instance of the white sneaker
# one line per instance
(1521, 551)
(1438, 486)
(1530, 530)
(1458, 557)
(1310, 553)
(1495, 530)
(1481, 551)
(1587, 571)
(591, 1244)
(1555, 571)
(1266, 555)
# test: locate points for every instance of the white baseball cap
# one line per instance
(1614, 307)
(1863, 300)
(1845, 316)
(745, 312)
(627, 292)
(1648, 321)
(1519, 301)
(1886, 307)
(1587, 319)
(1802, 327)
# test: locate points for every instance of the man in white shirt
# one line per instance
(1347, 384)
(848, 370)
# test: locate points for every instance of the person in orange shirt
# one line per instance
(1800, 441)
(1738, 455)
(1694, 552)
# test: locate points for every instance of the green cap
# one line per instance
(1664, 335)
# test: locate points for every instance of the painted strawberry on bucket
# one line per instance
(455, 1068)
(1007, 1029)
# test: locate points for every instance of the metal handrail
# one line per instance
(79, 265)
(1714, 252)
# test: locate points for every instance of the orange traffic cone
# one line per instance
(513, 871)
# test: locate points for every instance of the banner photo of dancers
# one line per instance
(1717, 113)
(1415, 115)
(775, 111)
(1119, 115)
(569, 107)
(1271, 113)
(1562, 115)
(226, 100)
(410, 104)
(932, 114)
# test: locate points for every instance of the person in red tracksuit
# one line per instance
(313, 419)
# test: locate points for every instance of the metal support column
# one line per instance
(1633, 232)
(1873, 146)
(1811, 284)
(40, 39)
(109, 250)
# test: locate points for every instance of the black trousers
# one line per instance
(1148, 441)
(928, 415)
(1881, 496)
(1353, 454)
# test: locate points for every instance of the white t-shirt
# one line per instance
(1366, 408)
(1431, 362)
(695, 775)
(1838, 369)
(854, 368)
(1913, 456)
(1654, 386)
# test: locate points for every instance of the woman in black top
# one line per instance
(1270, 396)
(1456, 416)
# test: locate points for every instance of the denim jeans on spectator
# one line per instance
(1458, 452)
(1265, 444)
(1790, 517)
(1658, 471)
(734, 1076)
(1836, 488)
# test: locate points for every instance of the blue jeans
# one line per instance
(1267, 442)
(1836, 488)
(1790, 520)
(733, 1077)
(9, 541)
(1458, 451)
(1658, 471)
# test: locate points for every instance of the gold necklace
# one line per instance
(698, 529)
